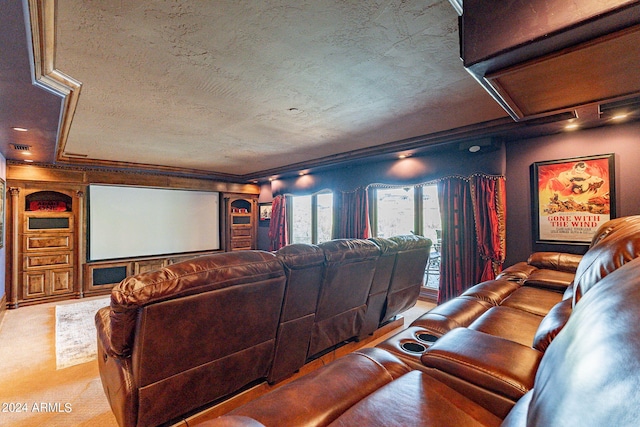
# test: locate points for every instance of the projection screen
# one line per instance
(128, 222)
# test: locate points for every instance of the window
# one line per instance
(409, 210)
(395, 211)
(324, 217)
(311, 218)
(431, 225)
(300, 219)
(406, 210)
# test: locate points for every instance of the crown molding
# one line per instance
(42, 31)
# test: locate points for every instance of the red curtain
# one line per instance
(278, 232)
(460, 261)
(489, 203)
(353, 215)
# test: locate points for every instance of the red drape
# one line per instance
(489, 203)
(460, 261)
(353, 215)
(278, 232)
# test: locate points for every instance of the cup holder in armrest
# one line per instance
(413, 347)
(426, 338)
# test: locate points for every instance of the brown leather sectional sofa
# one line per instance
(472, 368)
(178, 339)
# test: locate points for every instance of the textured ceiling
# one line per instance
(241, 87)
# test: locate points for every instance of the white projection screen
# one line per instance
(128, 222)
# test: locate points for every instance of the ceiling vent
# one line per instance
(625, 106)
(21, 147)
(560, 117)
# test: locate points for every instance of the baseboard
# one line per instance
(429, 294)
(3, 307)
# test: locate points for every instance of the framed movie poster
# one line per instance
(572, 198)
(265, 211)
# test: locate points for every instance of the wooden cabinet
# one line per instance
(241, 214)
(101, 276)
(45, 251)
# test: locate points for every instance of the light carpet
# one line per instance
(76, 333)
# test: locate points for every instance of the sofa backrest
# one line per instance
(198, 330)
(619, 246)
(408, 274)
(589, 373)
(304, 267)
(612, 226)
(377, 300)
(349, 269)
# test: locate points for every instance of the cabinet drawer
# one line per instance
(240, 244)
(48, 242)
(149, 265)
(241, 232)
(47, 260)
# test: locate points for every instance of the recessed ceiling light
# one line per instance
(18, 129)
(402, 156)
(474, 148)
(28, 160)
(572, 126)
(621, 116)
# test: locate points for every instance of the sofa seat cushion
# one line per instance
(455, 313)
(533, 300)
(509, 323)
(425, 401)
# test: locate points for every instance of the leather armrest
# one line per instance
(556, 280)
(491, 370)
(323, 395)
(552, 324)
(560, 261)
(518, 271)
(103, 327)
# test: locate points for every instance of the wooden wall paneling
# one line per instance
(77, 279)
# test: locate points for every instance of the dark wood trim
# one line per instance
(45, 173)
(3, 307)
(429, 295)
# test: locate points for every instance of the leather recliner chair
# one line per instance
(184, 336)
(408, 274)
(304, 267)
(349, 269)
